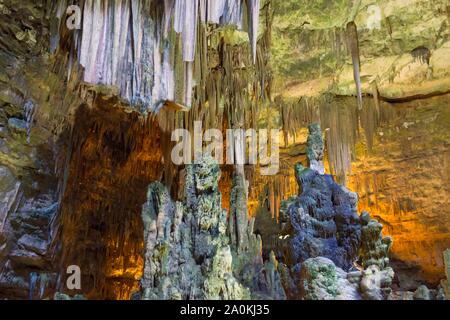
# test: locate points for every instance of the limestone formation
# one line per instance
(374, 247)
(329, 239)
(63, 296)
(314, 150)
(319, 280)
(323, 217)
(193, 252)
(373, 257)
(86, 116)
(353, 48)
(375, 283)
(131, 45)
(422, 293)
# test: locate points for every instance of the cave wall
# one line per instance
(404, 183)
(75, 159)
(113, 156)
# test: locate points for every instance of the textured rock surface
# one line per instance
(329, 238)
(390, 34)
(320, 279)
(63, 296)
(410, 150)
(374, 247)
(28, 187)
(193, 252)
(323, 218)
(68, 150)
(445, 284)
(375, 282)
(314, 150)
(422, 293)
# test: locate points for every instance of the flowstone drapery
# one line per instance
(148, 48)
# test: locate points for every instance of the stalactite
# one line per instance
(122, 152)
(130, 44)
(55, 24)
(189, 32)
(30, 111)
(263, 68)
(370, 117)
(253, 12)
(340, 119)
(353, 48)
(421, 54)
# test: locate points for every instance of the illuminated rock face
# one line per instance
(404, 55)
(111, 161)
(403, 183)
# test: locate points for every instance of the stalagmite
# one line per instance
(314, 150)
(374, 247)
(238, 213)
(323, 213)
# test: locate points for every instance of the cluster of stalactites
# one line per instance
(341, 120)
(140, 46)
(338, 118)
